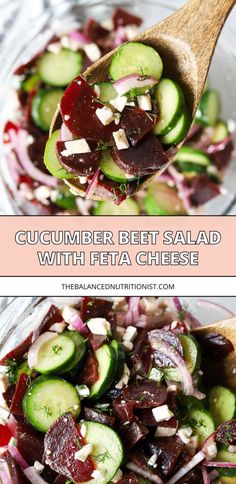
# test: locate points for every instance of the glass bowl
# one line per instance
(52, 16)
(21, 315)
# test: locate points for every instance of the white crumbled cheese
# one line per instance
(55, 48)
(119, 103)
(96, 474)
(152, 460)
(173, 387)
(231, 125)
(70, 43)
(162, 413)
(212, 170)
(128, 345)
(92, 51)
(48, 451)
(131, 31)
(99, 326)
(97, 90)
(83, 430)
(117, 476)
(124, 379)
(232, 449)
(108, 25)
(144, 102)
(184, 434)
(38, 467)
(75, 147)
(82, 180)
(42, 193)
(149, 304)
(165, 431)
(117, 117)
(83, 391)
(120, 304)
(211, 451)
(25, 191)
(105, 115)
(68, 312)
(29, 139)
(66, 117)
(130, 334)
(121, 140)
(82, 454)
(131, 103)
(4, 414)
(58, 327)
(155, 375)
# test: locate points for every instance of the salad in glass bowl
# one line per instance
(192, 180)
(116, 390)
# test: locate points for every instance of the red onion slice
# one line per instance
(212, 305)
(4, 475)
(33, 477)
(65, 133)
(11, 423)
(125, 84)
(133, 313)
(36, 346)
(183, 191)
(93, 184)
(79, 37)
(78, 324)
(144, 473)
(205, 475)
(120, 36)
(17, 456)
(230, 465)
(199, 457)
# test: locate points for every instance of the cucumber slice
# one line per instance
(107, 91)
(64, 198)
(61, 68)
(229, 473)
(220, 132)
(31, 83)
(80, 345)
(128, 207)
(108, 452)
(190, 169)
(44, 106)
(47, 399)
(222, 404)
(23, 369)
(136, 58)
(224, 456)
(178, 133)
(160, 199)
(209, 108)
(107, 361)
(192, 155)
(201, 422)
(170, 100)
(227, 480)
(112, 170)
(50, 158)
(55, 355)
(192, 357)
(121, 358)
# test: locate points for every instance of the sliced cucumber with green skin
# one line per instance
(180, 130)
(107, 91)
(190, 169)
(170, 101)
(220, 132)
(209, 108)
(226, 472)
(112, 170)
(224, 456)
(121, 358)
(107, 453)
(201, 422)
(50, 158)
(226, 480)
(55, 355)
(59, 69)
(222, 404)
(136, 58)
(64, 198)
(107, 361)
(31, 83)
(80, 346)
(192, 357)
(187, 154)
(23, 369)
(128, 207)
(48, 398)
(44, 106)
(160, 199)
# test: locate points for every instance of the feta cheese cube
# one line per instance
(92, 51)
(121, 139)
(162, 413)
(155, 375)
(165, 431)
(42, 192)
(68, 312)
(76, 147)
(55, 47)
(144, 102)
(82, 180)
(38, 467)
(130, 334)
(117, 476)
(128, 345)
(131, 31)
(105, 115)
(119, 103)
(58, 327)
(124, 379)
(232, 449)
(97, 474)
(120, 304)
(152, 460)
(83, 429)
(117, 117)
(83, 453)
(184, 434)
(99, 326)
(83, 391)
(211, 451)
(97, 90)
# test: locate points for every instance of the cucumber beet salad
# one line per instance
(110, 136)
(117, 390)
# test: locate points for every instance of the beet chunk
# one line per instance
(16, 474)
(53, 316)
(136, 123)
(203, 190)
(81, 164)
(94, 31)
(123, 410)
(144, 159)
(21, 387)
(61, 444)
(96, 416)
(133, 432)
(122, 17)
(89, 373)
(226, 433)
(215, 346)
(18, 352)
(146, 394)
(96, 340)
(168, 451)
(129, 478)
(94, 308)
(80, 103)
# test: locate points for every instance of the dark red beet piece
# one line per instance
(96, 340)
(80, 103)
(203, 190)
(170, 338)
(168, 452)
(129, 478)
(18, 352)
(146, 394)
(215, 346)
(94, 31)
(30, 445)
(61, 444)
(5, 435)
(96, 416)
(222, 157)
(53, 316)
(16, 474)
(136, 123)
(144, 159)
(122, 17)
(89, 373)
(9, 394)
(123, 410)
(226, 433)
(94, 308)
(21, 387)
(133, 432)
(81, 164)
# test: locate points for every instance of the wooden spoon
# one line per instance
(186, 41)
(223, 371)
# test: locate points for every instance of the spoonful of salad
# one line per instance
(121, 123)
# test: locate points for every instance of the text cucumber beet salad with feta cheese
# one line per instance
(113, 134)
(117, 390)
